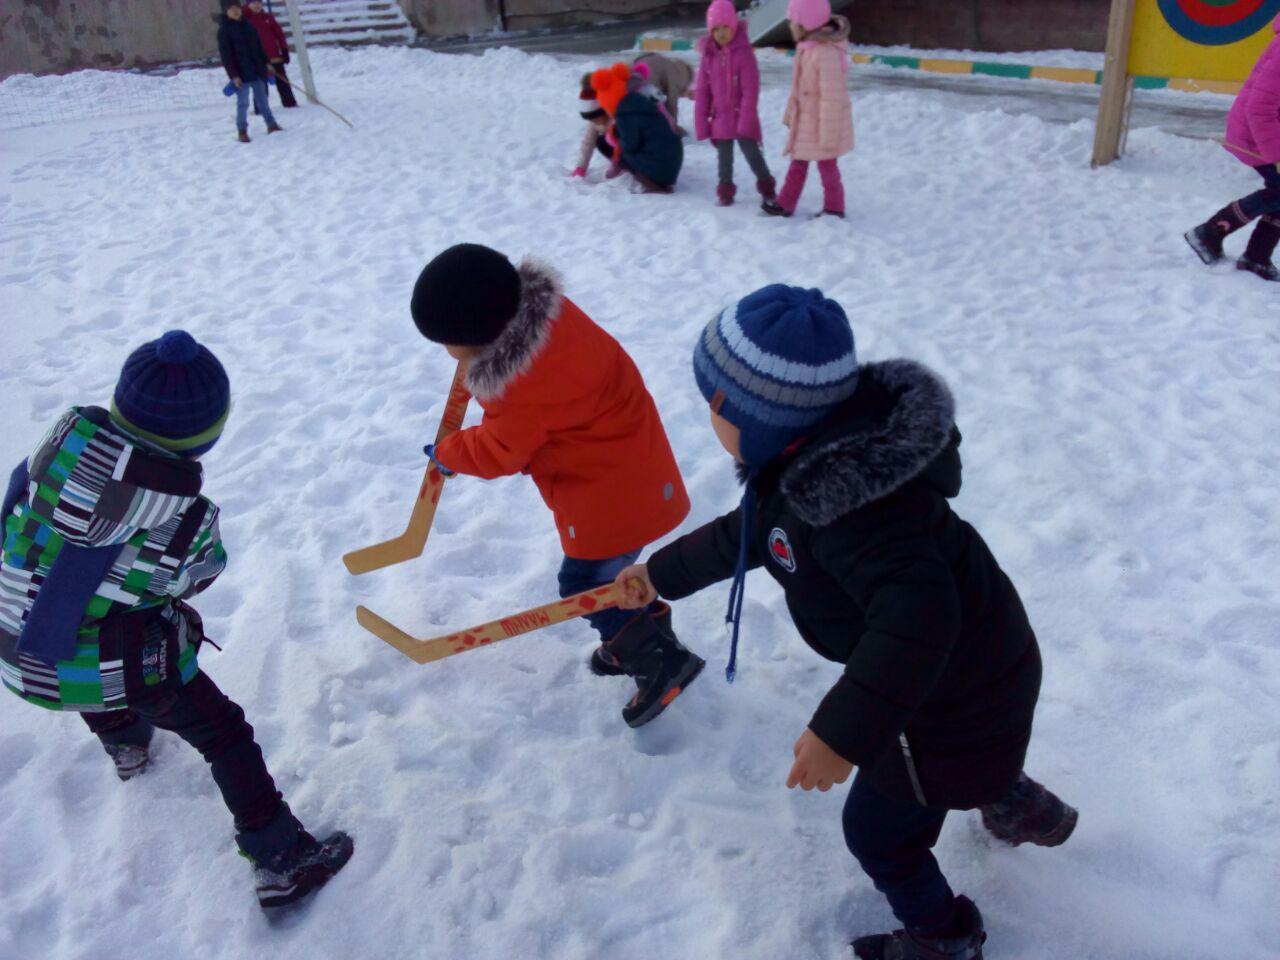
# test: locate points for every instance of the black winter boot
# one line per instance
(1029, 813)
(289, 863)
(961, 938)
(1262, 244)
(647, 649)
(1206, 239)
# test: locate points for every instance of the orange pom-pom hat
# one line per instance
(610, 86)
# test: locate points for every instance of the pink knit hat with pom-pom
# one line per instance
(810, 14)
(721, 13)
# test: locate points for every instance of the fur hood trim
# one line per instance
(850, 469)
(541, 291)
(835, 30)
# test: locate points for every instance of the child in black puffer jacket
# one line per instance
(848, 473)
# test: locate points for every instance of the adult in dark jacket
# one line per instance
(849, 470)
(246, 64)
(274, 45)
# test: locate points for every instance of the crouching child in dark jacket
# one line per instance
(106, 538)
(848, 470)
(649, 147)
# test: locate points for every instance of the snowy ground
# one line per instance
(1119, 406)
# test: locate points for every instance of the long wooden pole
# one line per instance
(300, 48)
(1115, 84)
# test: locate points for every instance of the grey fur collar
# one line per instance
(512, 353)
(836, 477)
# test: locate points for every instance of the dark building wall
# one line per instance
(997, 25)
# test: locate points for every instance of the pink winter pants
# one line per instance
(832, 186)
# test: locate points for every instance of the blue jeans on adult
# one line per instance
(1267, 200)
(259, 90)
(579, 575)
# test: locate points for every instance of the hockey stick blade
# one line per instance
(527, 621)
(413, 541)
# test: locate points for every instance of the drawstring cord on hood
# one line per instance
(738, 592)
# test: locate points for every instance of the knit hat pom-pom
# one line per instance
(641, 69)
(177, 346)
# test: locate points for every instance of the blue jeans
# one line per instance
(1267, 200)
(259, 88)
(579, 575)
(892, 841)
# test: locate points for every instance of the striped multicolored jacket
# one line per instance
(93, 491)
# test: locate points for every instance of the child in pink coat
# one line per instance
(727, 99)
(1253, 137)
(819, 113)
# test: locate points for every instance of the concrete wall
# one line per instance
(51, 36)
(443, 18)
(998, 25)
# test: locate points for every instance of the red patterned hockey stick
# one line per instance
(413, 541)
(426, 651)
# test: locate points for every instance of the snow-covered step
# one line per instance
(351, 21)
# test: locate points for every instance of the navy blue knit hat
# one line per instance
(174, 393)
(775, 364)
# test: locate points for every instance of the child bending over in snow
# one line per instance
(847, 471)
(819, 114)
(106, 536)
(594, 137)
(647, 144)
(728, 93)
(671, 77)
(1253, 136)
(565, 404)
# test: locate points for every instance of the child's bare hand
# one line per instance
(637, 588)
(817, 765)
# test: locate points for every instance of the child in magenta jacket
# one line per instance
(819, 114)
(1253, 137)
(727, 99)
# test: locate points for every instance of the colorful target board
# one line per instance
(1217, 40)
(1197, 44)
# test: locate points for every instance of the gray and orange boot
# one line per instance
(647, 650)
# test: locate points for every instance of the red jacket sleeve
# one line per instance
(503, 444)
(279, 34)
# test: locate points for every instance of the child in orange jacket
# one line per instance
(564, 403)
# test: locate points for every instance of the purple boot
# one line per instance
(1029, 813)
(725, 193)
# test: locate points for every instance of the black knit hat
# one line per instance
(466, 296)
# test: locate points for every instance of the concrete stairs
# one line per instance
(348, 21)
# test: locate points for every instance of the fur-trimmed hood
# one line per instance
(541, 291)
(859, 460)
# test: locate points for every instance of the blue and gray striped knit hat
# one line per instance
(776, 364)
(174, 393)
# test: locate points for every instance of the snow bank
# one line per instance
(1119, 408)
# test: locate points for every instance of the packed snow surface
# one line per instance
(1119, 404)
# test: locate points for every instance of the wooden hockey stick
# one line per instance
(437, 648)
(413, 541)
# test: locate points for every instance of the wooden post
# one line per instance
(1115, 84)
(300, 49)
